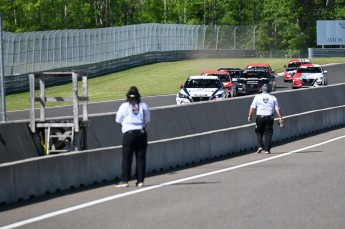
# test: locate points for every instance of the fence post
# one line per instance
(2, 72)
(235, 37)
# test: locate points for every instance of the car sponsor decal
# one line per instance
(186, 91)
(252, 82)
(200, 95)
(215, 92)
(303, 76)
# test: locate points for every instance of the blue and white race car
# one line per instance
(201, 88)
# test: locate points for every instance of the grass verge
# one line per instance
(154, 79)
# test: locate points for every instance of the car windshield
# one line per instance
(294, 65)
(290, 69)
(235, 74)
(255, 74)
(310, 70)
(258, 68)
(202, 83)
(222, 77)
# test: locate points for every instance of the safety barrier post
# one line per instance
(2, 85)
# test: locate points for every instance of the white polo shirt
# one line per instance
(265, 104)
(133, 117)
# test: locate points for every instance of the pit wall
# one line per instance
(38, 176)
(175, 121)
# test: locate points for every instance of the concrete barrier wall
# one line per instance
(177, 135)
(174, 121)
(39, 176)
(16, 142)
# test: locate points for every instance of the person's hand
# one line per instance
(281, 120)
(249, 118)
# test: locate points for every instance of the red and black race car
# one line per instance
(224, 77)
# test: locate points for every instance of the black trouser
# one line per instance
(134, 141)
(264, 127)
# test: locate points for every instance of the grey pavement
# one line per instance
(300, 190)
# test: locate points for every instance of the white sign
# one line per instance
(330, 32)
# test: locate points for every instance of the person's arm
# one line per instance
(251, 109)
(147, 114)
(279, 113)
(250, 113)
(120, 114)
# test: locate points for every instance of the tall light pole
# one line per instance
(2, 86)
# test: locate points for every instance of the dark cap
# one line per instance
(133, 92)
(264, 88)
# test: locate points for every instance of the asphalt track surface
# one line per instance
(335, 75)
(300, 185)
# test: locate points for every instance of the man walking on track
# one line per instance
(266, 105)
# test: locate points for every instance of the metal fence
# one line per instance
(100, 51)
(326, 52)
(41, 51)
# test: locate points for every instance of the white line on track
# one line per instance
(106, 199)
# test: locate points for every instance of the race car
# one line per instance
(251, 81)
(266, 67)
(291, 68)
(224, 77)
(309, 75)
(201, 88)
(234, 72)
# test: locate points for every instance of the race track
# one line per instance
(301, 185)
(335, 75)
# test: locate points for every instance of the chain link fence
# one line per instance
(59, 49)
(38, 51)
(105, 50)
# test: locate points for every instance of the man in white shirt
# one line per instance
(266, 105)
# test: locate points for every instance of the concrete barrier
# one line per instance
(174, 121)
(179, 135)
(16, 142)
(38, 176)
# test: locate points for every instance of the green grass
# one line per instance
(154, 79)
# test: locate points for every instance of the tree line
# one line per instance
(281, 24)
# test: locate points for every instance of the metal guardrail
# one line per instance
(326, 52)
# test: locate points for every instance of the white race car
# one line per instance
(309, 75)
(201, 88)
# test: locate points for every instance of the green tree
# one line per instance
(281, 25)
